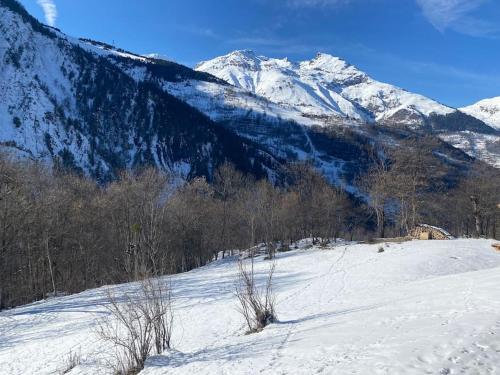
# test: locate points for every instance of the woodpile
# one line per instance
(428, 232)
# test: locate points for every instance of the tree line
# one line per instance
(414, 184)
(64, 233)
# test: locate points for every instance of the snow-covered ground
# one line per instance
(421, 307)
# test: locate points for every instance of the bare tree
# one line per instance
(228, 183)
(415, 173)
(135, 212)
(375, 184)
(481, 190)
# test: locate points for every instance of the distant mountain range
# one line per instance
(323, 87)
(92, 107)
(331, 91)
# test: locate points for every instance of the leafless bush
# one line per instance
(256, 305)
(72, 360)
(139, 325)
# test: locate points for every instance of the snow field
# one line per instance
(421, 307)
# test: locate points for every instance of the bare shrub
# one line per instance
(139, 325)
(72, 360)
(256, 305)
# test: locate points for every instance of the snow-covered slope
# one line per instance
(96, 108)
(421, 307)
(66, 101)
(329, 91)
(485, 147)
(93, 107)
(324, 86)
(487, 110)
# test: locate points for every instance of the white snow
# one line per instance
(158, 56)
(31, 92)
(487, 110)
(421, 307)
(323, 86)
(221, 102)
(481, 146)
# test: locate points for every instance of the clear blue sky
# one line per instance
(446, 49)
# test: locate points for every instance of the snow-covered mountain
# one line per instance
(66, 101)
(96, 108)
(327, 90)
(487, 110)
(325, 86)
(93, 107)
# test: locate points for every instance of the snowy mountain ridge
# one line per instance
(98, 109)
(91, 107)
(329, 91)
(323, 86)
(487, 110)
(66, 102)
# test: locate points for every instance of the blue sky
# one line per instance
(445, 49)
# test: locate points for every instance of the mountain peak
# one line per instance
(243, 55)
(490, 101)
(330, 63)
(326, 56)
(323, 86)
(486, 110)
(245, 59)
(243, 52)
